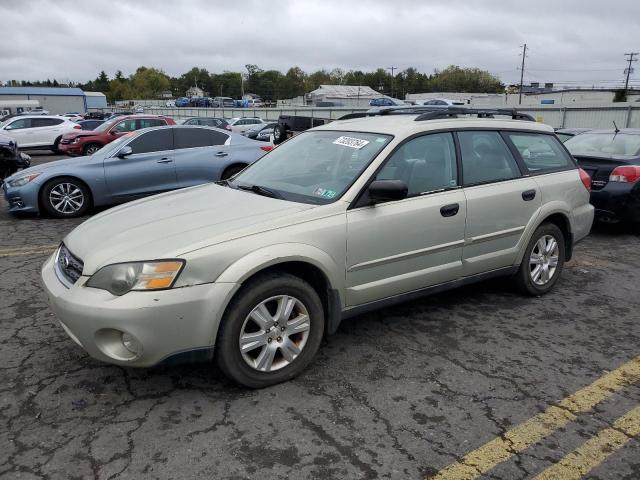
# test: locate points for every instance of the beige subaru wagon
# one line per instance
(351, 216)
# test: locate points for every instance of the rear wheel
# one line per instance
(271, 331)
(231, 171)
(91, 149)
(65, 197)
(543, 261)
(279, 134)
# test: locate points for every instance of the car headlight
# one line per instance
(23, 180)
(121, 278)
(75, 140)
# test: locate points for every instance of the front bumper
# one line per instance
(617, 202)
(22, 199)
(164, 323)
(70, 148)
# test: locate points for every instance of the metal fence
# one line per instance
(625, 115)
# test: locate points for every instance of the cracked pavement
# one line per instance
(398, 393)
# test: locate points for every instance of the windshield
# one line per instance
(604, 145)
(314, 167)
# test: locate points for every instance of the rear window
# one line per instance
(153, 141)
(604, 145)
(540, 152)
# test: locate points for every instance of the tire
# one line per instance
(91, 148)
(78, 198)
(55, 148)
(535, 281)
(252, 368)
(231, 171)
(279, 134)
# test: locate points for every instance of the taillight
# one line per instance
(625, 174)
(79, 127)
(586, 180)
(267, 148)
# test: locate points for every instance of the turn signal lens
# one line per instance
(266, 148)
(625, 174)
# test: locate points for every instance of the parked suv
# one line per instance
(38, 132)
(223, 102)
(88, 142)
(338, 220)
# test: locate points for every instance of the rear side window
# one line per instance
(197, 137)
(540, 152)
(154, 141)
(46, 122)
(486, 158)
(150, 122)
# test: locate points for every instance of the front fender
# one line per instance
(257, 260)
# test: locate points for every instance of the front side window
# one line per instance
(154, 141)
(150, 122)
(425, 164)
(314, 167)
(20, 124)
(125, 126)
(606, 145)
(540, 152)
(486, 158)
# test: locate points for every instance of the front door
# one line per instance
(500, 201)
(148, 170)
(405, 245)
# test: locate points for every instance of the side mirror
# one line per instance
(113, 132)
(387, 190)
(125, 151)
(8, 127)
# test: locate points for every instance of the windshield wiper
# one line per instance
(260, 190)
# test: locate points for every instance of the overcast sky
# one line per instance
(570, 41)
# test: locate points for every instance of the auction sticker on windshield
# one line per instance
(322, 192)
(351, 142)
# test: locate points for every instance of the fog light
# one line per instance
(131, 343)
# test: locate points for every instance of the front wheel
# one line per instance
(543, 261)
(90, 149)
(232, 171)
(65, 197)
(271, 331)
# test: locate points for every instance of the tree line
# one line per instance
(150, 83)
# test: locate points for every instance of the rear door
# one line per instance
(46, 130)
(405, 245)
(200, 155)
(148, 170)
(501, 201)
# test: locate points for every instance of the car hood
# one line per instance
(79, 133)
(45, 167)
(172, 224)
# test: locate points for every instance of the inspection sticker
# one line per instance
(351, 142)
(322, 192)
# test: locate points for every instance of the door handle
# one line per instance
(450, 210)
(221, 154)
(165, 160)
(528, 195)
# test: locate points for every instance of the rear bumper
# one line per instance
(617, 202)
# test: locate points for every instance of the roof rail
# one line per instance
(433, 112)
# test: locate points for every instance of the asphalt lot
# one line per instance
(399, 393)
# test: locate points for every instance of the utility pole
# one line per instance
(629, 69)
(392, 79)
(524, 54)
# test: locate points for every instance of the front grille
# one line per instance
(68, 265)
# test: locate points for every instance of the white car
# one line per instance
(241, 125)
(440, 101)
(254, 103)
(74, 117)
(38, 131)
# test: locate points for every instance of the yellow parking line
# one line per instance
(521, 437)
(595, 450)
(15, 252)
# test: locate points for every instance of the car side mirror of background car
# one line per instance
(125, 151)
(387, 190)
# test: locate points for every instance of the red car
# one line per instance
(87, 142)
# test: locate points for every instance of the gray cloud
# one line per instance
(569, 40)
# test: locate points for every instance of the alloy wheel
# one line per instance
(66, 198)
(274, 333)
(543, 261)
